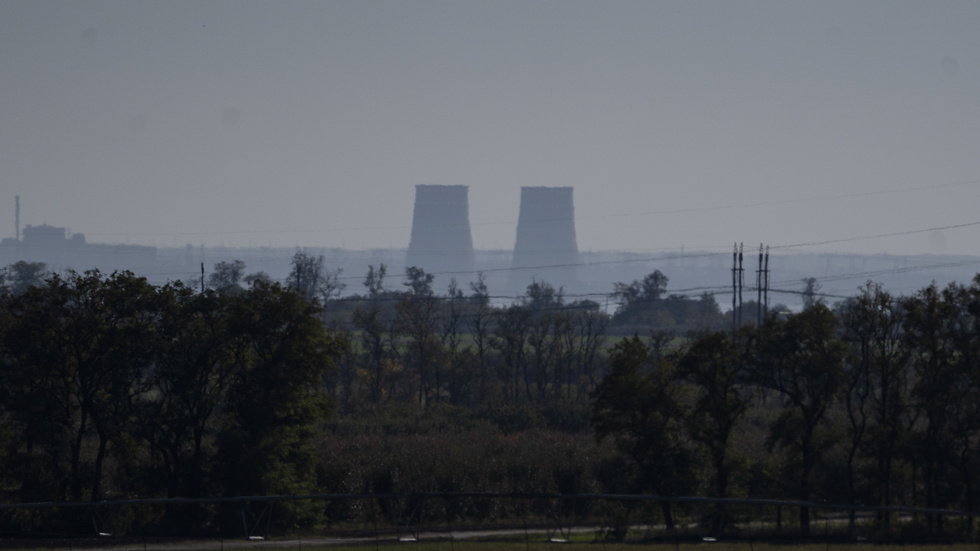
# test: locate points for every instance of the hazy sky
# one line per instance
(691, 124)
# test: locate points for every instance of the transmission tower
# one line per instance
(738, 282)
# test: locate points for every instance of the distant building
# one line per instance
(45, 237)
(546, 228)
(61, 250)
(441, 240)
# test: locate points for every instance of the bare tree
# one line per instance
(460, 359)
(374, 280)
(377, 329)
(510, 339)
(876, 387)
(310, 277)
(545, 305)
(482, 319)
(417, 318)
(582, 342)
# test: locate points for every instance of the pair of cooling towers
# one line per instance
(441, 239)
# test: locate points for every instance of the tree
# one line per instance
(582, 341)
(645, 304)
(968, 343)
(811, 293)
(943, 392)
(714, 364)
(18, 277)
(460, 359)
(188, 383)
(544, 305)
(417, 318)
(227, 276)
(640, 294)
(275, 400)
(344, 380)
(708, 309)
(482, 317)
(639, 406)
(255, 277)
(654, 285)
(419, 282)
(374, 280)
(376, 322)
(801, 358)
(312, 280)
(875, 389)
(78, 348)
(509, 338)
(541, 296)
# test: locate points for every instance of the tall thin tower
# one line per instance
(441, 239)
(546, 228)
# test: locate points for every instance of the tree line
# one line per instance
(873, 401)
(114, 388)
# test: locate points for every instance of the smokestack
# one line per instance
(441, 239)
(546, 228)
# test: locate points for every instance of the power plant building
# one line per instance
(441, 240)
(546, 230)
(61, 250)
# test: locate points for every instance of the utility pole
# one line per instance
(765, 292)
(734, 288)
(758, 286)
(762, 283)
(741, 282)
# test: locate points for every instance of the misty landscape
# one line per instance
(655, 271)
(545, 251)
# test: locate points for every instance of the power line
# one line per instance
(878, 235)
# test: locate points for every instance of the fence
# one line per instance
(382, 518)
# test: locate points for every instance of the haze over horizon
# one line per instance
(853, 127)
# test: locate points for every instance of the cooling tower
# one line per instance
(441, 240)
(546, 228)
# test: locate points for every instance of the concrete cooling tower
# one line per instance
(545, 228)
(441, 239)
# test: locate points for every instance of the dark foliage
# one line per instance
(113, 388)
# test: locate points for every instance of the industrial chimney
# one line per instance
(546, 229)
(441, 239)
